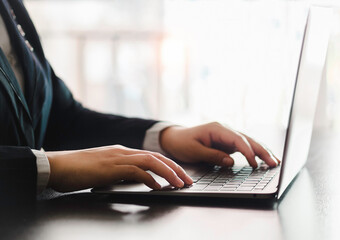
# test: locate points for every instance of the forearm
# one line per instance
(71, 126)
(85, 128)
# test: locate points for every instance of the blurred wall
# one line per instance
(185, 61)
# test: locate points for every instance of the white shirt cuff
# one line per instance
(151, 139)
(43, 170)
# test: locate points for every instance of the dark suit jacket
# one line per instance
(46, 115)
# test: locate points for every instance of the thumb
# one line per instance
(214, 156)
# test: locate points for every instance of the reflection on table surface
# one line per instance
(307, 211)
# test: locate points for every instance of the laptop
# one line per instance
(263, 182)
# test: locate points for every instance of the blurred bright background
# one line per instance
(185, 61)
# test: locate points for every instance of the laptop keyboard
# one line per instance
(234, 179)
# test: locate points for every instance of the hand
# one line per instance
(75, 170)
(212, 143)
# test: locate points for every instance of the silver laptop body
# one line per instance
(242, 181)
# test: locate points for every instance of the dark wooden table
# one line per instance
(309, 210)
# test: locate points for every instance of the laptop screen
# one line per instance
(305, 96)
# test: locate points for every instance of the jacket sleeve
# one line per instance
(71, 126)
(18, 173)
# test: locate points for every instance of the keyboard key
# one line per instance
(222, 180)
(253, 183)
(228, 189)
(212, 188)
(204, 181)
(265, 181)
(195, 179)
(207, 179)
(251, 180)
(255, 176)
(216, 184)
(232, 185)
(243, 174)
(248, 184)
(226, 175)
(234, 182)
(198, 187)
(240, 176)
(247, 168)
(219, 181)
(245, 188)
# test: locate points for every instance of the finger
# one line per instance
(174, 166)
(210, 155)
(273, 156)
(240, 143)
(266, 155)
(150, 162)
(134, 173)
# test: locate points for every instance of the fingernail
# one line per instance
(274, 158)
(188, 180)
(275, 161)
(158, 186)
(227, 161)
(179, 183)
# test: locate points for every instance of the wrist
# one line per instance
(167, 138)
(52, 158)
